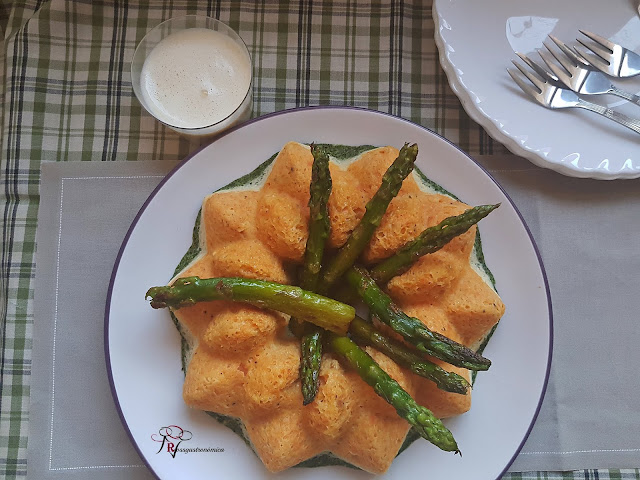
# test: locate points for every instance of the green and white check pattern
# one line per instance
(66, 96)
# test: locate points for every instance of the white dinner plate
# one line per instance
(143, 347)
(477, 41)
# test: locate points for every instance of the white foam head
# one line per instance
(195, 78)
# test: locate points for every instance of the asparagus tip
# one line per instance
(156, 296)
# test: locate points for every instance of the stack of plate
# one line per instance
(572, 142)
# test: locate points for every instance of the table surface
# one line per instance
(67, 96)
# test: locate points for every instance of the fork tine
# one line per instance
(532, 78)
(561, 59)
(561, 73)
(594, 58)
(608, 44)
(540, 70)
(619, 61)
(598, 50)
(526, 87)
(576, 51)
(567, 51)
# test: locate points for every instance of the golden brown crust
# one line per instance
(245, 364)
(249, 259)
(272, 378)
(214, 383)
(433, 316)
(383, 437)
(329, 414)
(370, 168)
(403, 222)
(279, 441)
(474, 309)
(228, 217)
(346, 205)
(428, 279)
(291, 172)
(282, 225)
(239, 329)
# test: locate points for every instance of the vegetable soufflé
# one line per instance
(431, 305)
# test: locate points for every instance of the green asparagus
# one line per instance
(364, 332)
(412, 329)
(347, 255)
(421, 418)
(430, 240)
(310, 362)
(319, 223)
(375, 210)
(294, 301)
(319, 228)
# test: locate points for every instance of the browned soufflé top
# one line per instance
(246, 363)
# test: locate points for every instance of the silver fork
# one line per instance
(577, 74)
(548, 92)
(609, 57)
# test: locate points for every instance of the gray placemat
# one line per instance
(85, 211)
(587, 234)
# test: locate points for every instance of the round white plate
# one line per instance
(143, 347)
(477, 41)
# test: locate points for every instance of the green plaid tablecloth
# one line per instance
(66, 95)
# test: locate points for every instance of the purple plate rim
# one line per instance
(125, 241)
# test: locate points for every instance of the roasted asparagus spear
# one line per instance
(375, 210)
(427, 424)
(430, 240)
(412, 329)
(307, 306)
(319, 228)
(364, 332)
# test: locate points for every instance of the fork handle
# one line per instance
(632, 123)
(624, 94)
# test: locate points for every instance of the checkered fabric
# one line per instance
(67, 95)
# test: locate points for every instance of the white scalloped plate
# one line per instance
(477, 41)
(142, 345)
